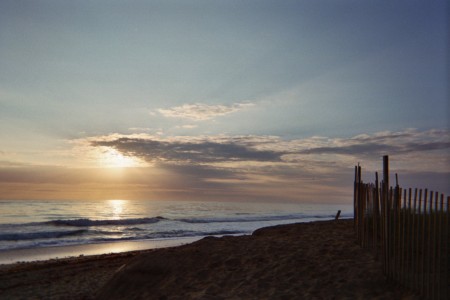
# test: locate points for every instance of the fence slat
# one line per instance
(418, 237)
(439, 246)
(403, 249)
(410, 227)
(408, 232)
(429, 247)
(423, 241)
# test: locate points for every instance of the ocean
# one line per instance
(40, 225)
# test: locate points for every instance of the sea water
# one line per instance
(34, 224)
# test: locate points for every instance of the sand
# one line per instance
(48, 253)
(71, 278)
(318, 260)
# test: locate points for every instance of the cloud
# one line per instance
(187, 126)
(10, 164)
(197, 151)
(201, 111)
(413, 149)
(141, 129)
(235, 167)
(256, 167)
(404, 144)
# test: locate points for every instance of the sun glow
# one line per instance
(113, 159)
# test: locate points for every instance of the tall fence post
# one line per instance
(409, 233)
(386, 170)
(385, 200)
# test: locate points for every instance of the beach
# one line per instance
(316, 260)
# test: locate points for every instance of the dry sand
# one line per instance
(71, 278)
(318, 260)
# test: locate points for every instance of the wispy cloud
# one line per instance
(256, 167)
(201, 111)
(187, 126)
(238, 167)
(404, 142)
(185, 150)
(432, 145)
(141, 129)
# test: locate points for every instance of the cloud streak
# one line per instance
(197, 152)
(201, 111)
(235, 167)
(273, 149)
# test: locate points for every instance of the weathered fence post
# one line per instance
(385, 200)
(410, 234)
(386, 170)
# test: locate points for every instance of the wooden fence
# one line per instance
(408, 230)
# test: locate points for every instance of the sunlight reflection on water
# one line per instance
(117, 207)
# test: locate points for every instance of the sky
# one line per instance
(221, 100)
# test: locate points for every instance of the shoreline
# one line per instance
(26, 255)
(319, 260)
(14, 256)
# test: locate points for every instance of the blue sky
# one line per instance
(252, 83)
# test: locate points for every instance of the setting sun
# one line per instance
(113, 159)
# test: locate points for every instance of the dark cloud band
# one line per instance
(198, 152)
(271, 149)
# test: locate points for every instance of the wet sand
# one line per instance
(48, 253)
(318, 260)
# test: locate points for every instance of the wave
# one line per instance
(258, 218)
(84, 230)
(175, 234)
(245, 219)
(89, 222)
(238, 218)
(40, 235)
(171, 235)
(184, 233)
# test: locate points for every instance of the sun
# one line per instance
(111, 158)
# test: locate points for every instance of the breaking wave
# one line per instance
(89, 222)
(40, 235)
